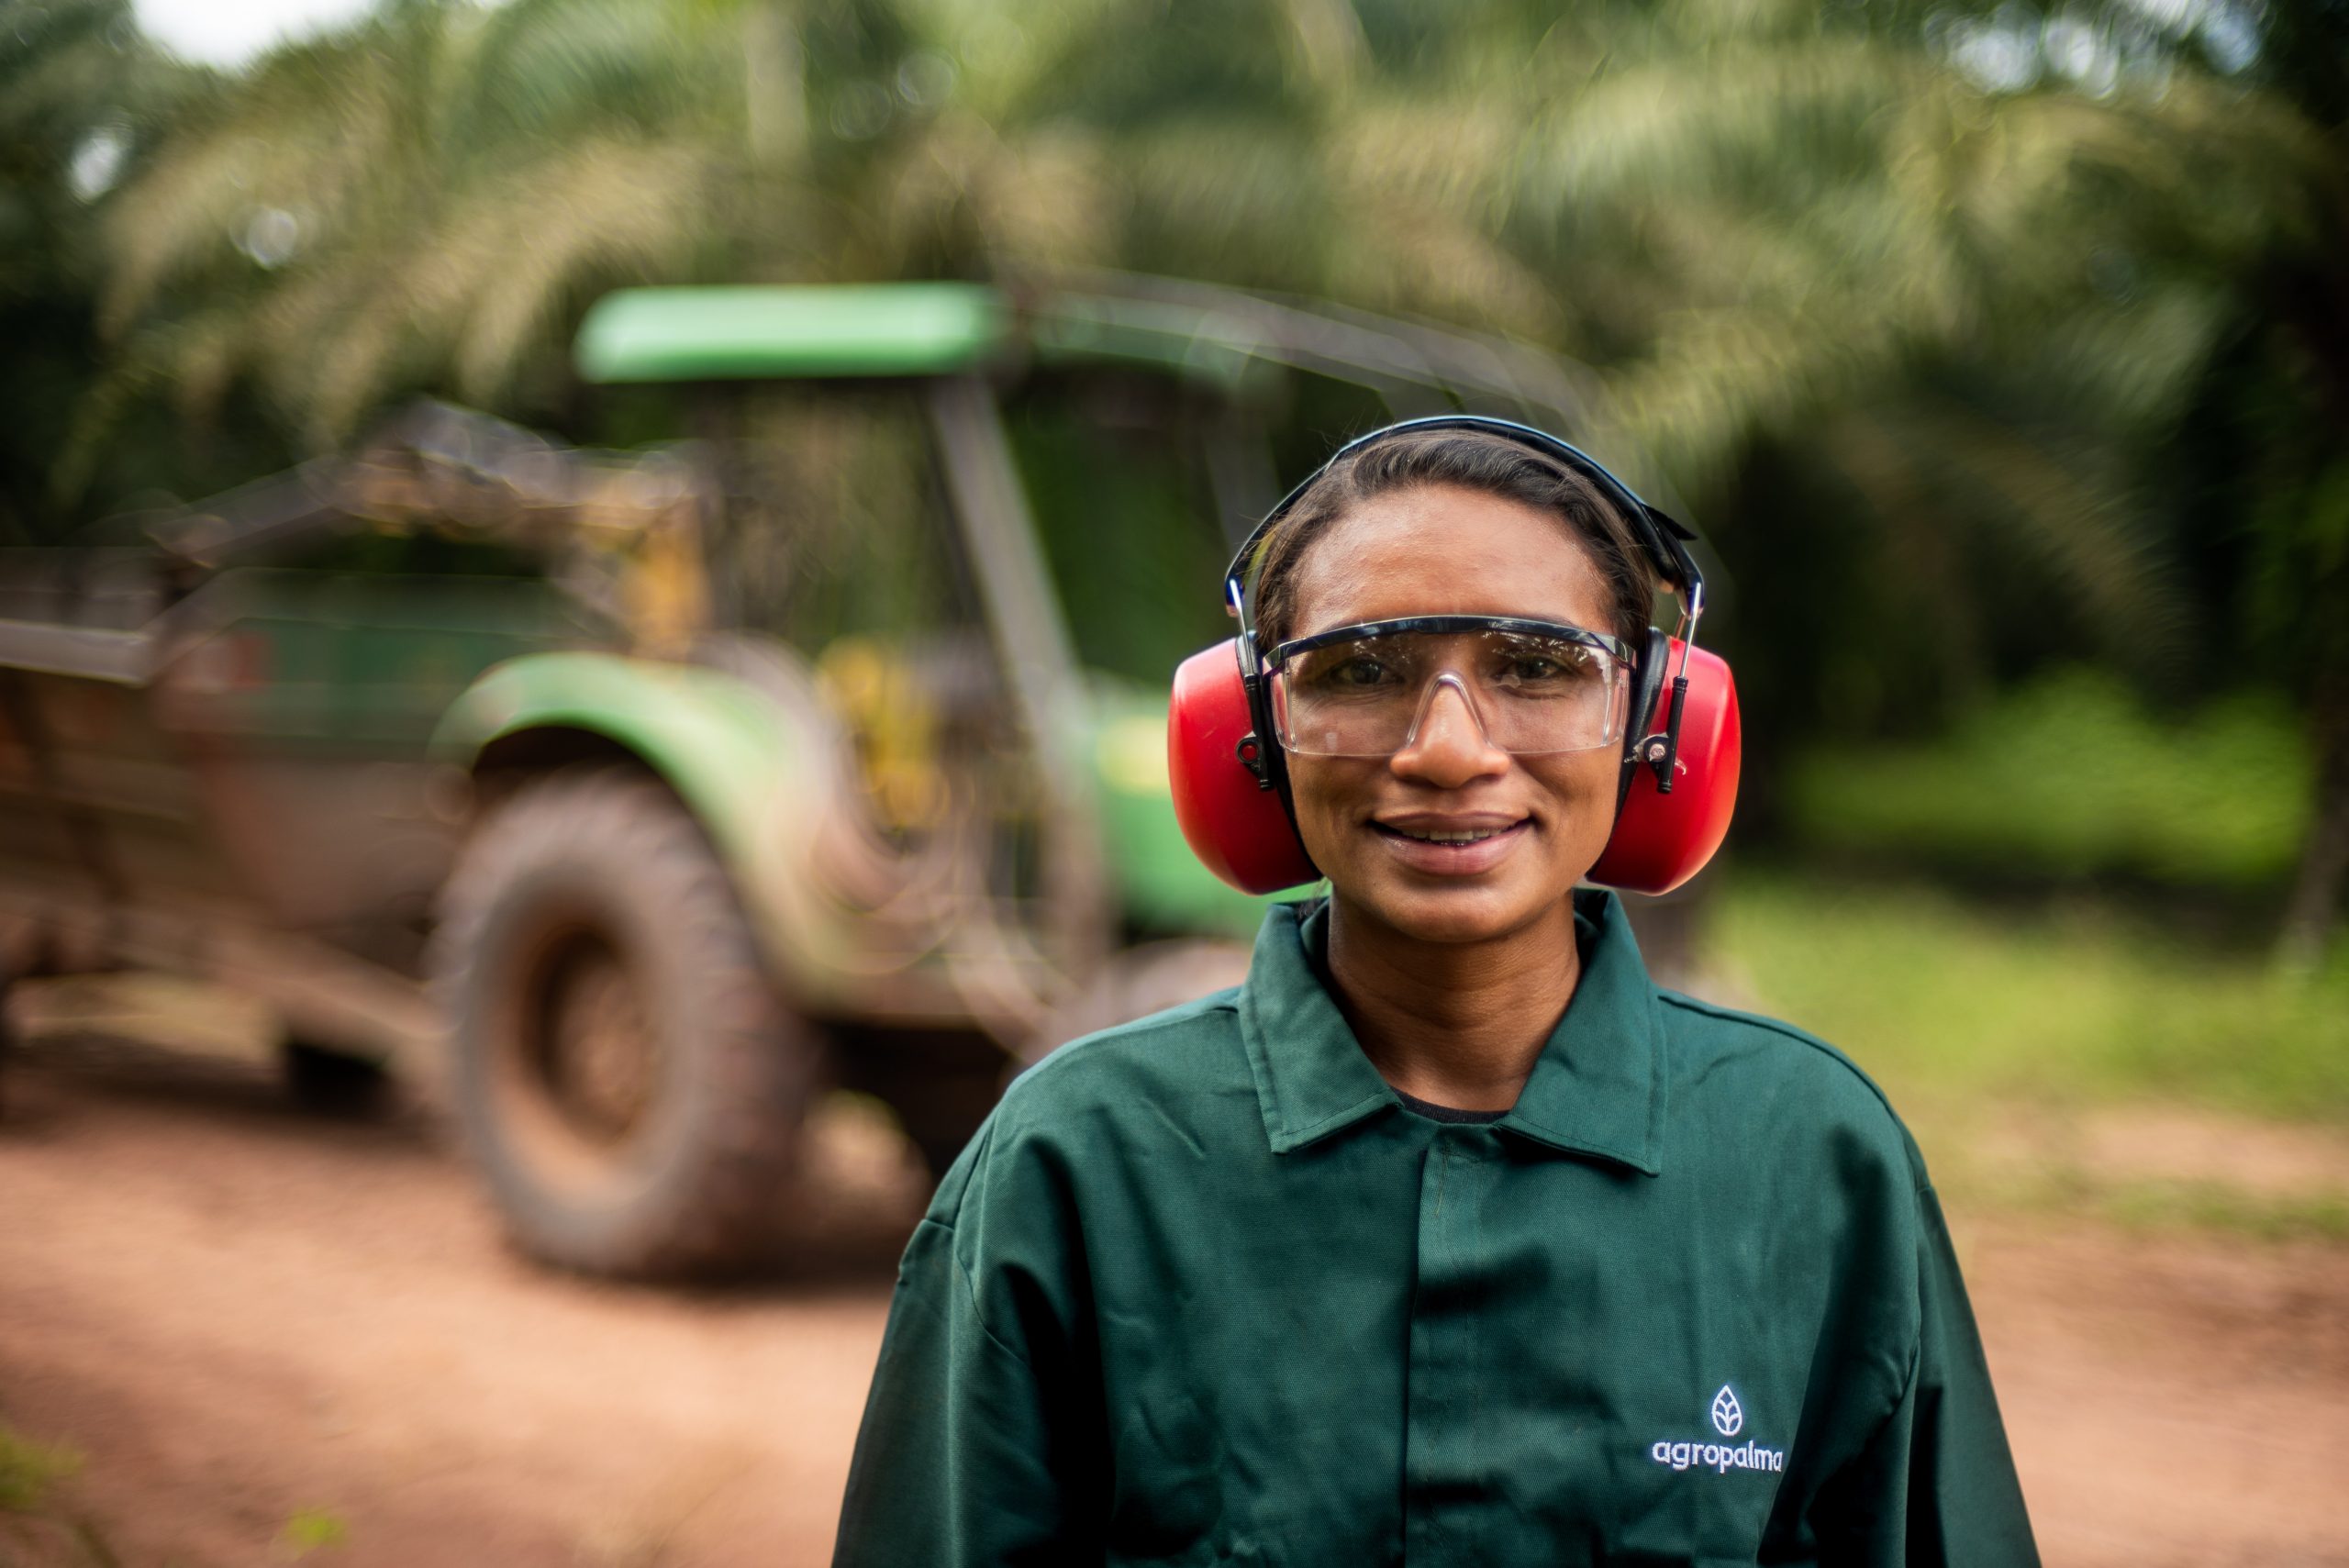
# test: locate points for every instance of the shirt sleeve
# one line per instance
(968, 1450)
(1936, 1486)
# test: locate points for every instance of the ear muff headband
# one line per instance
(1661, 536)
(1662, 835)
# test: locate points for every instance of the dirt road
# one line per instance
(239, 1315)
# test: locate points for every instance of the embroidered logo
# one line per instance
(1729, 1419)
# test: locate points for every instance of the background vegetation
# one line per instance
(2002, 352)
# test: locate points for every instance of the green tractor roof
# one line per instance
(738, 333)
(787, 332)
(1216, 335)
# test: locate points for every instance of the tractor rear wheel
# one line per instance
(627, 1078)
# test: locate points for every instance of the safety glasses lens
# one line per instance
(1367, 696)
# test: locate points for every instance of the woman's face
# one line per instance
(1442, 550)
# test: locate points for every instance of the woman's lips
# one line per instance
(1410, 845)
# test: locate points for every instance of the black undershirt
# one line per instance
(1434, 1112)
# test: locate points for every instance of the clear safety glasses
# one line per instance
(1535, 686)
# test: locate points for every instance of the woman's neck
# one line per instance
(1455, 1024)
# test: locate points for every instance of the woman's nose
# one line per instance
(1447, 746)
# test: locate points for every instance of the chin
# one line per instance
(1448, 915)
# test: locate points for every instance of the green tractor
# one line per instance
(636, 798)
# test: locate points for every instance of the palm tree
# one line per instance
(407, 202)
(430, 199)
(2266, 439)
(82, 99)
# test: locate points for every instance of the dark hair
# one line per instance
(1473, 460)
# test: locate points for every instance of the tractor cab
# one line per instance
(987, 522)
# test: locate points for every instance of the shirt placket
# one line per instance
(1445, 1480)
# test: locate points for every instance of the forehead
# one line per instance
(1441, 550)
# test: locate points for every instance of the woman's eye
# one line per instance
(1348, 674)
(1546, 668)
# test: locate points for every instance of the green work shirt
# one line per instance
(1204, 1290)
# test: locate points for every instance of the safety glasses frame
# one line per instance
(1401, 626)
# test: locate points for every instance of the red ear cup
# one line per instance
(1239, 829)
(1661, 841)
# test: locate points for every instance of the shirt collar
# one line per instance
(1597, 1087)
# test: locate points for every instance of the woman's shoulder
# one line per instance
(1784, 1075)
(1167, 1041)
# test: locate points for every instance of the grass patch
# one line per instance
(2142, 1205)
(2153, 1206)
(2080, 1003)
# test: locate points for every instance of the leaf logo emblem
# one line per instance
(1729, 1416)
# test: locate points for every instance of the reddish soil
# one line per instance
(237, 1313)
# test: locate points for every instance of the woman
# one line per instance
(1447, 1238)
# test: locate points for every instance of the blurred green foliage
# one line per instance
(2078, 1004)
(2070, 777)
(1979, 337)
(84, 100)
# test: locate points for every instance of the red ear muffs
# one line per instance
(1241, 831)
(1661, 841)
(1238, 827)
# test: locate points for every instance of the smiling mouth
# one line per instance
(1442, 836)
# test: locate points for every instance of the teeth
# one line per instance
(1474, 836)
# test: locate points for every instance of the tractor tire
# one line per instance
(626, 1079)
